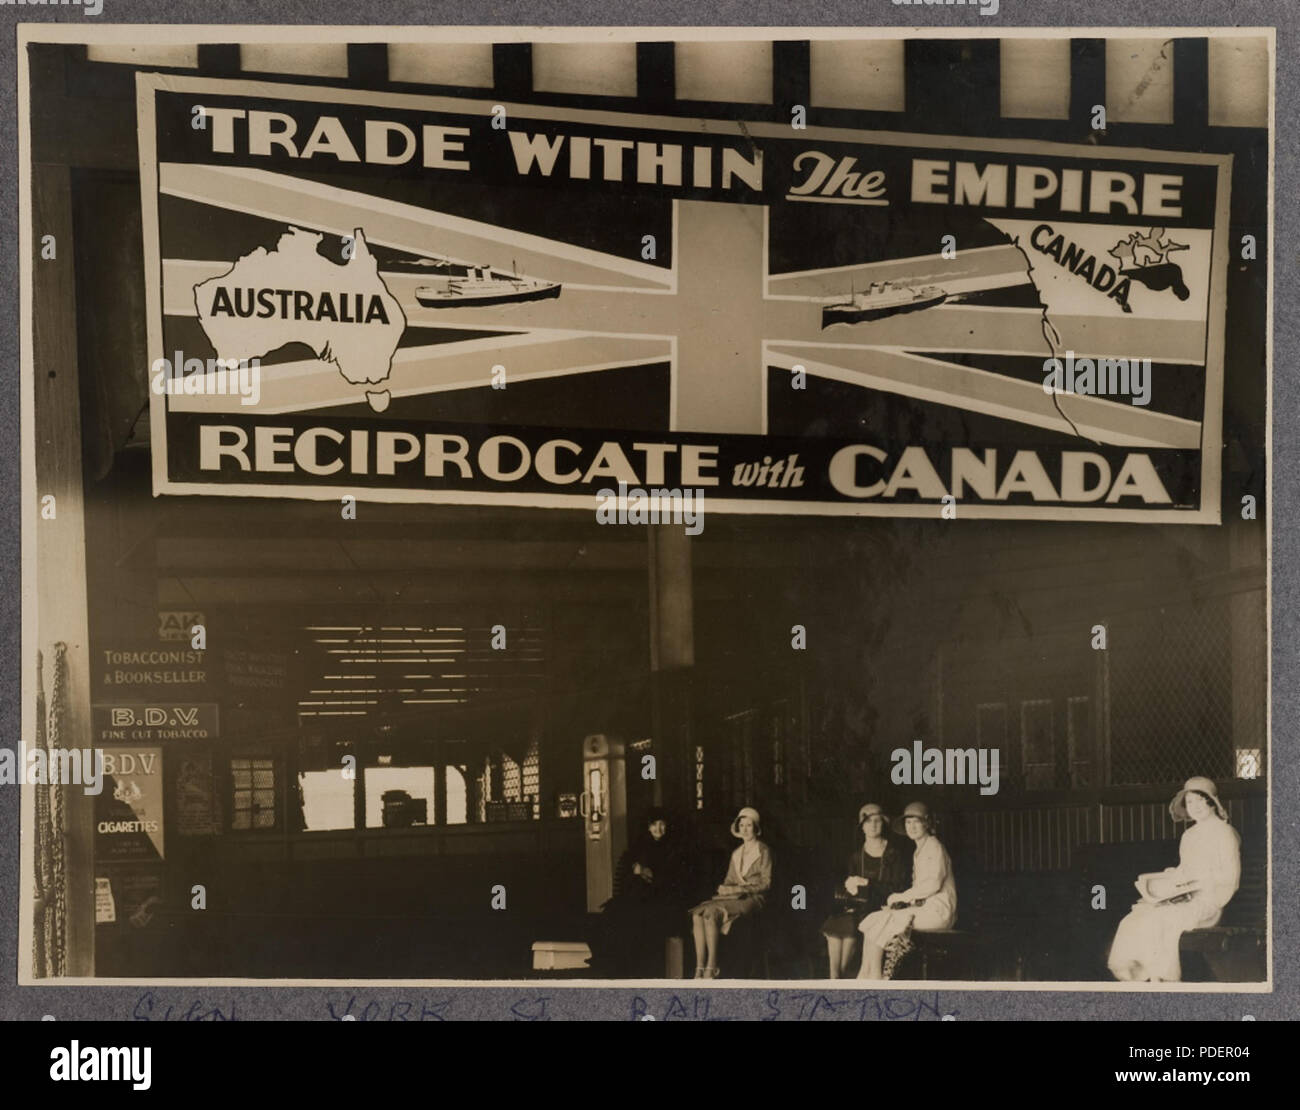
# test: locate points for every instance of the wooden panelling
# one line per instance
(740, 72)
(1139, 80)
(1045, 837)
(172, 55)
(1033, 839)
(312, 59)
(862, 74)
(1035, 78)
(308, 848)
(441, 63)
(591, 68)
(1239, 78)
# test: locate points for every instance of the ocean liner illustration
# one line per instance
(481, 285)
(881, 299)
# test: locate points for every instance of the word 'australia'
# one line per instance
(296, 304)
(945, 766)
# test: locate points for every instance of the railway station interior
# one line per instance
(456, 659)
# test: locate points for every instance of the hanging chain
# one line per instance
(56, 914)
(41, 870)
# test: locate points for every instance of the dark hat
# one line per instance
(914, 809)
(872, 810)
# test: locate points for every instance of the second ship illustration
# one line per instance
(881, 299)
(481, 285)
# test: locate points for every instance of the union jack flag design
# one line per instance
(756, 316)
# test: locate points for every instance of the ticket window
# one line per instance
(399, 792)
(326, 794)
(603, 805)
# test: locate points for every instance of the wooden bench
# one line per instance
(782, 942)
(942, 954)
(1236, 949)
(1006, 931)
(1233, 951)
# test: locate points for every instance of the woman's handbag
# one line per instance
(895, 950)
(845, 900)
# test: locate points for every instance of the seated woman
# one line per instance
(1189, 896)
(628, 937)
(743, 892)
(930, 903)
(880, 864)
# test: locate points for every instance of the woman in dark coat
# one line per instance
(880, 865)
(647, 904)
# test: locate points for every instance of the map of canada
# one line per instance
(1145, 258)
(1088, 274)
(292, 294)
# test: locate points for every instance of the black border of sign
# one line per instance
(1210, 477)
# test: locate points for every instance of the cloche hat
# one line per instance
(872, 810)
(914, 809)
(752, 814)
(1201, 785)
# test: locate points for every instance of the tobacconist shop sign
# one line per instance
(151, 692)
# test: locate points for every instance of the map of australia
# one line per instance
(291, 294)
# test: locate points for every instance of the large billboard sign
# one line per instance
(430, 299)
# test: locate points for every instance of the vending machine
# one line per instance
(603, 804)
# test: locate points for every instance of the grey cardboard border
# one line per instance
(118, 1002)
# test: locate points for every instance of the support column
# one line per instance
(55, 548)
(672, 662)
(1248, 619)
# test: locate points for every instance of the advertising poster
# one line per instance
(793, 320)
(129, 810)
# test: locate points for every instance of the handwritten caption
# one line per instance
(705, 1006)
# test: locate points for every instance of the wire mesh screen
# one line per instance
(1171, 687)
(509, 790)
(531, 780)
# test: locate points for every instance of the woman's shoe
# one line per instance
(710, 973)
(699, 972)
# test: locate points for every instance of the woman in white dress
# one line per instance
(929, 903)
(1189, 896)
